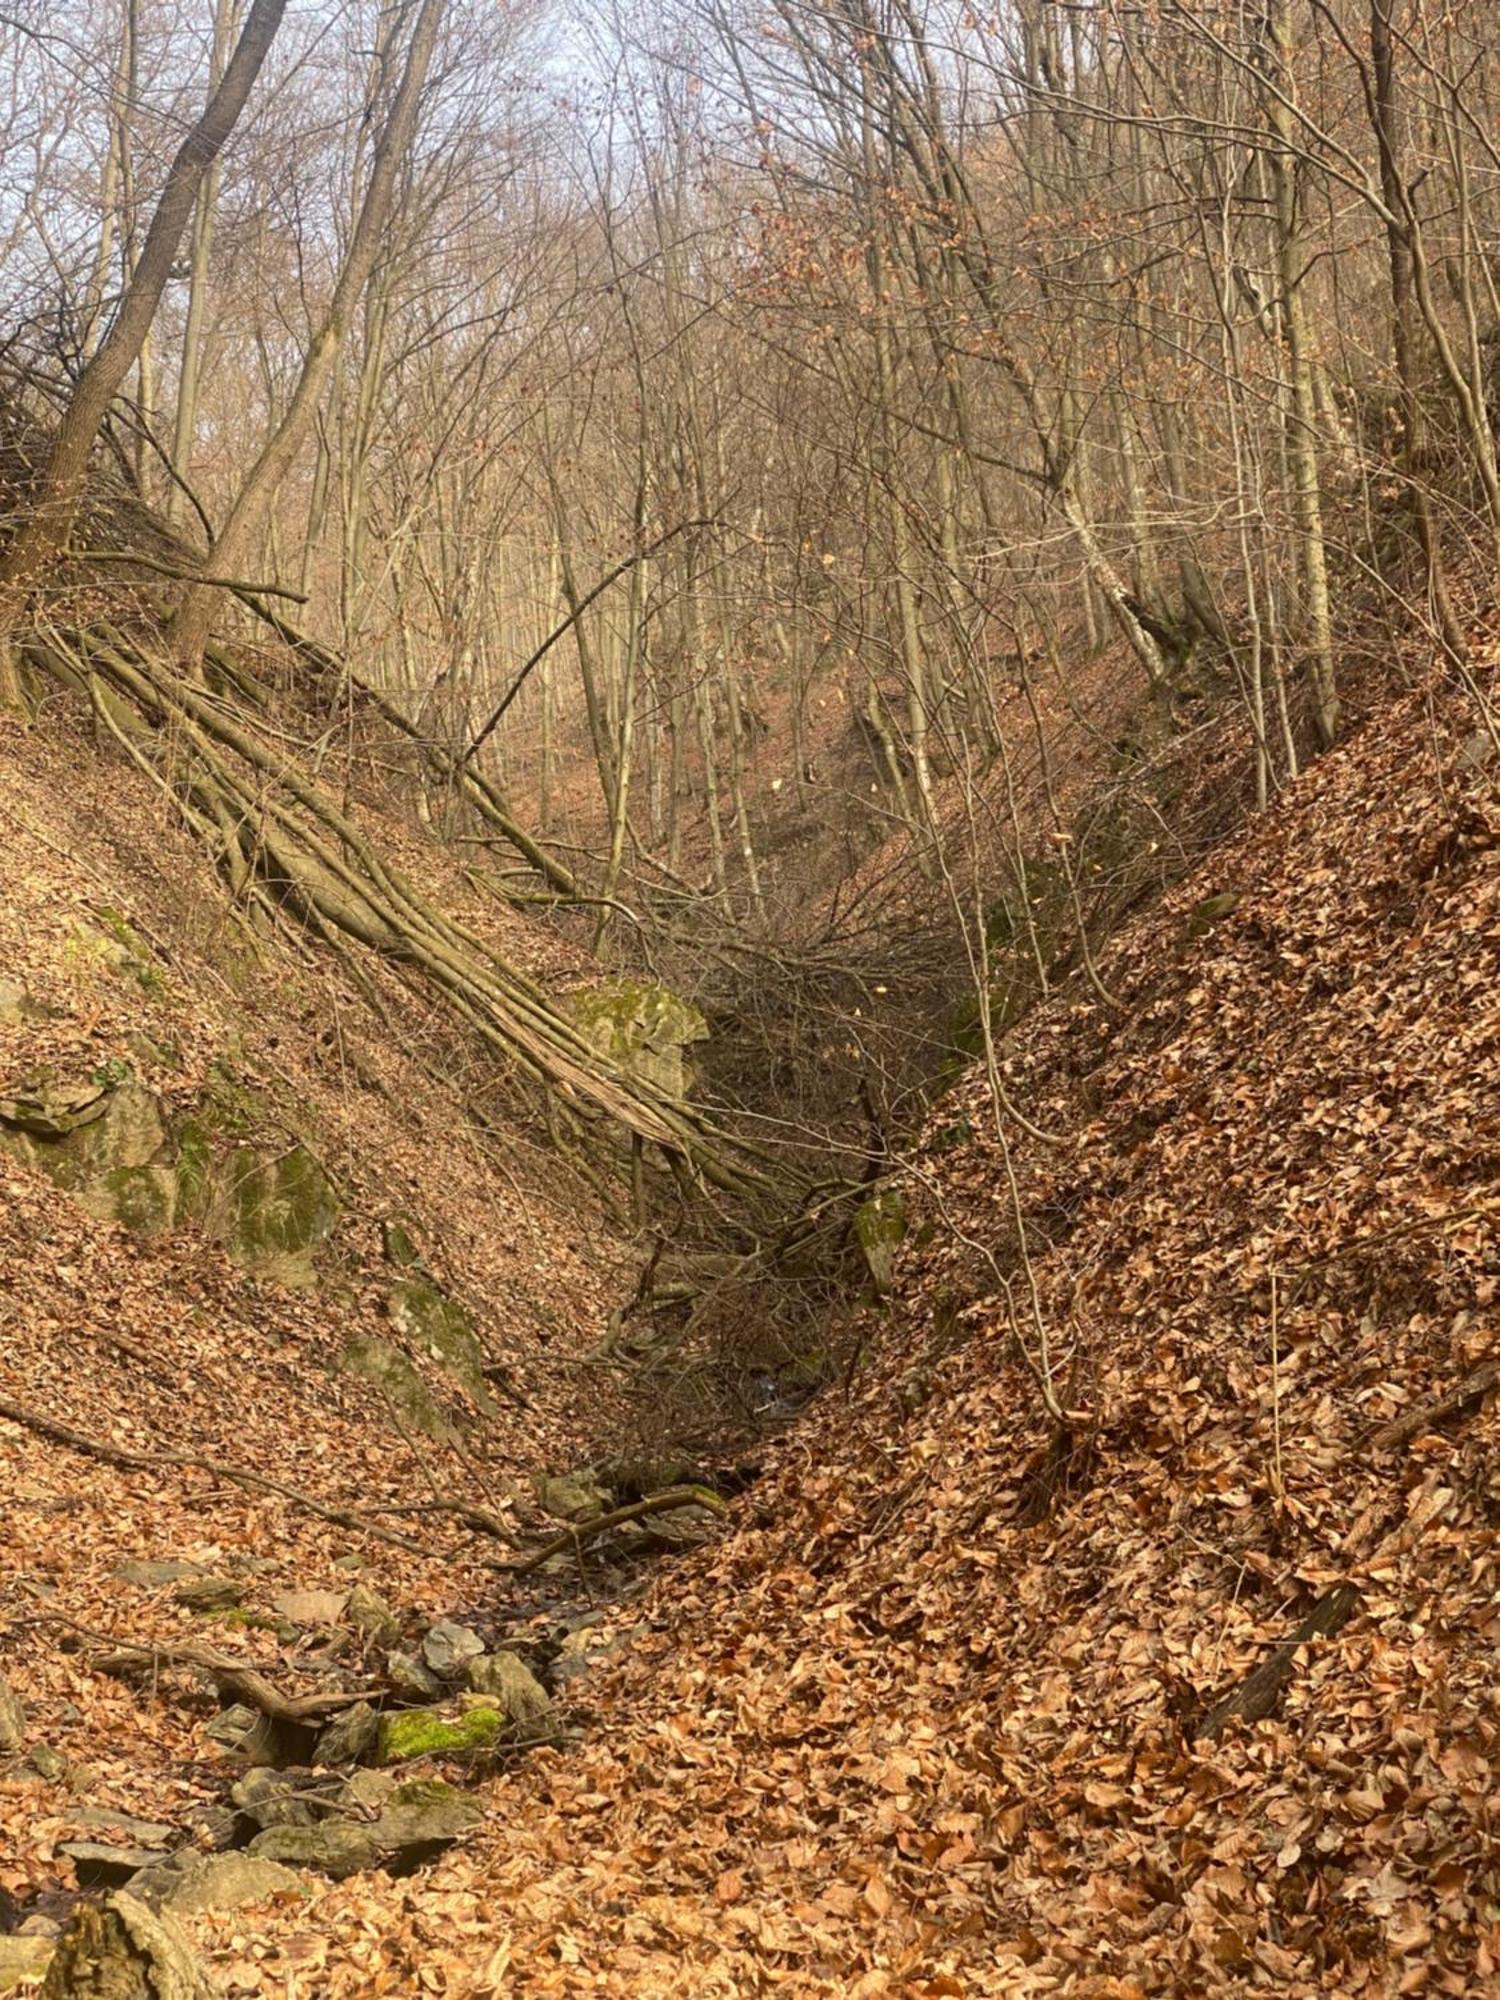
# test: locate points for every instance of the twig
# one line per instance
(181, 575)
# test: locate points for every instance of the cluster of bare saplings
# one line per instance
(707, 429)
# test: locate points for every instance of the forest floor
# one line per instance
(1185, 1687)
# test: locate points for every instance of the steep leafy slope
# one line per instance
(940, 1718)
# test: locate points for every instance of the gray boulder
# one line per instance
(507, 1680)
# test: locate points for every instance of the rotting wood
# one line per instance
(1473, 1388)
(235, 1678)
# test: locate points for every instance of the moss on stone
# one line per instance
(418, 1732)
(377, 1361)
(880, 1229)
(641, 1026)
(439, 1327)
(112, 944)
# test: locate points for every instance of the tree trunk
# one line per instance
(44, 533)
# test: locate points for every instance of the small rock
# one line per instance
(156, 1575)
(370, 1790)
(312, 1607)
(16, 1004)
(208, 1593)
(571, 1497)
(584, 1649)
(144, 1832)
(372, 1617)
(350, 1738)
(213, 1827)
(228, 1881)
(23, 1958)
(101, 1866)
(447, 1646)
(13, 1719)
(284, 1798)
(409, 1676)
(1477, 755)
(240, 1731)
(48, 1763)
(338, 1847)
(506, 1679)
(427, 1813)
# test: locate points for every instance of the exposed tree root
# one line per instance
(283, 842)
(234, 1475)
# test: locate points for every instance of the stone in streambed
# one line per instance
(350, 1738)
(372, 1617)
(229, 1881)
(23, 1959)
(419, 1733)
(447, 1646)
(505, 1679)
(336, 1847)
(99, 1865)
(411, 1677)
(208, 1593)
(126, 1952)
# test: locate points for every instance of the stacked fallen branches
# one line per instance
(282, 841)
(581, 1532)
(234, 1475)
(237, 1680)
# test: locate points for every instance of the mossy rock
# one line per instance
(278, 1210)
(418, 1732)
(1203, 916)
(642, 1027)
(435, 1325)
(399, 1244)
(880, 1230)
(103, 1140)
(268, 1202)
(378, 1361)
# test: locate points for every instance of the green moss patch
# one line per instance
(417, 1732)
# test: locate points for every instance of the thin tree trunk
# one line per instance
(247, 516)
(44, 532)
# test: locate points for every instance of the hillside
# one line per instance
(1191, 1691)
